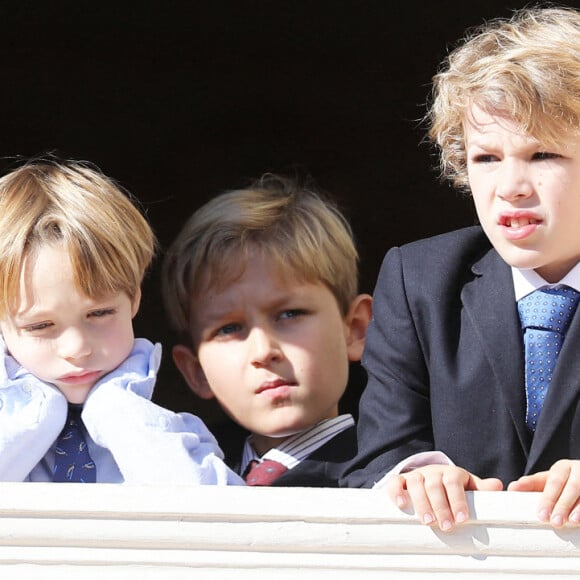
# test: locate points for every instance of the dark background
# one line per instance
(179, 101)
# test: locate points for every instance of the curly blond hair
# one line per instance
(525, 68)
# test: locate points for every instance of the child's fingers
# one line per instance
(575, 515)
(561, 493)
(457, 501)
(396, 490)
(437, 493)
(534, 482)
(439, 496)
(487, 484)
(554, 485)
(418, 496)
(564, 509)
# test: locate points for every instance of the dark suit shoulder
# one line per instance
(440, 265)
(340, 448)
(458, 246)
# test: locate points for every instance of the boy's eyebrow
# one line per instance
(208, 318)
(34, 312)
(28, 316)
(278, 300)
(28, 310)
(485, 145)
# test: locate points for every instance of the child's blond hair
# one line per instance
(47, 201)
(526, 68)
(304, 235)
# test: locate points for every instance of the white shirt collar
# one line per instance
(526, 281)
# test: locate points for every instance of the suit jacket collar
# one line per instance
(489, 301)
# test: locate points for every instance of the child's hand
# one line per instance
(437, 493)
(560, 487)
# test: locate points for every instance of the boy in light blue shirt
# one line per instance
(73, 253)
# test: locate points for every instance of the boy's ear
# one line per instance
(136, 303)
(357, 321)
(189, 367)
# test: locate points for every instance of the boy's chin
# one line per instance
(76, 395)
(520, 258)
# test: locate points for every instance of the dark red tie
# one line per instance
(263, 472)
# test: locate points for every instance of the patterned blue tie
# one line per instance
(72, 460)
(545, 315)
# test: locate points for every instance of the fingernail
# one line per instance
(401, 501)
(544, 515)
(557, 520)
(575, 517)
(428, 519)
(446, 525)
(461, 517)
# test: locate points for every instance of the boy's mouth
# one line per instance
(518, 219)
(518, 226)
(518, 222)
(274, 384)
(80, 377)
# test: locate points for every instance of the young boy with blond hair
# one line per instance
(472, 355)
(75, 386)
(261, 285)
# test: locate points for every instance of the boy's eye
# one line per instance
(484, 158)
(101, 312)
(291, 313)
(37, 327)
(228, 329)
(543, 155)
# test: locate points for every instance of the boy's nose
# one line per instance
(514, 180)
(74, 345)
(265, 348)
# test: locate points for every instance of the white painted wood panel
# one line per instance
(50, 531)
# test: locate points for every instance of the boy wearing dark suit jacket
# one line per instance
(467, 389)
(261, 283)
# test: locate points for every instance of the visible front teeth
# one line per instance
(520, 222)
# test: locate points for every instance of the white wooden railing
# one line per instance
(50, 531)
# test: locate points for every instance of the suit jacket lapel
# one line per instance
(564, 390)
(489, 301)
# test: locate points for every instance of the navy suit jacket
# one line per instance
(445, 364)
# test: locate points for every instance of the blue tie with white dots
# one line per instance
(545, 315)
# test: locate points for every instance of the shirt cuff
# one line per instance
(413, 462)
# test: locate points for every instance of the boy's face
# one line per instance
(527, 196)
(61, 336)
(274, 352)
